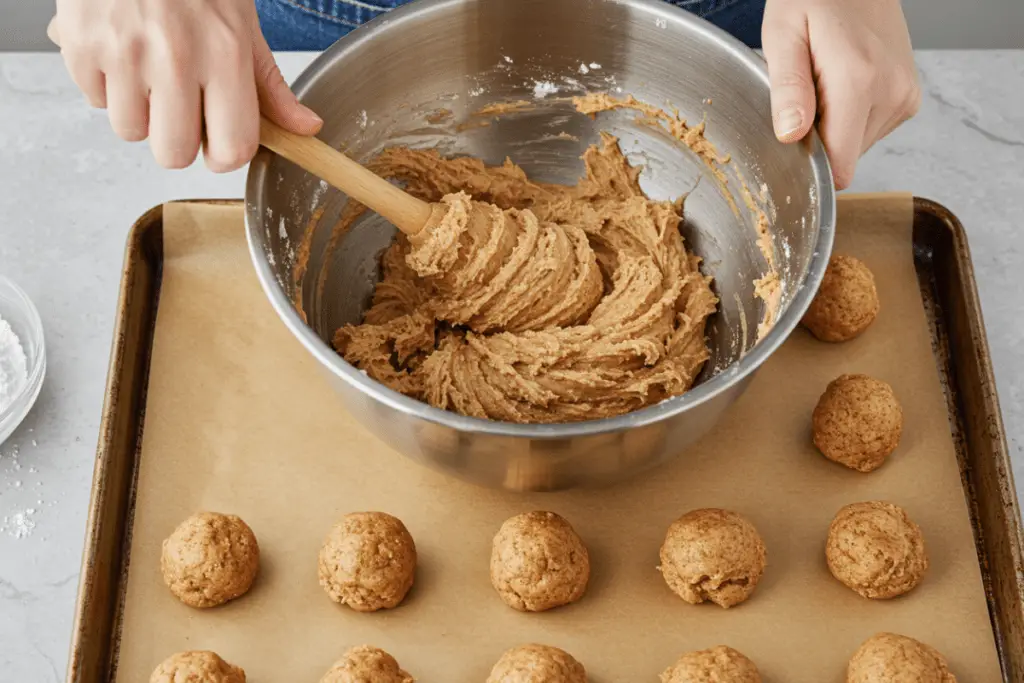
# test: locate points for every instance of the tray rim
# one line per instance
(1007, 619)
(82, 632)
(97, 498)
(969, 290)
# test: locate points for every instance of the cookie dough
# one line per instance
(857, 422)
(534, 303)
(538, 562)
(537, 664)
(196, 667)
(716, 665)
(368, 561)
(209, 559)
(875, 549)
(846, 303)
(891, 658)
(366, 664)
(713, 554)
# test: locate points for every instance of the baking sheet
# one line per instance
(239, 419)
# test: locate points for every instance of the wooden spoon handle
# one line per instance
(408, 213)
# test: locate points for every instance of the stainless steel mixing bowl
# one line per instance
(417, 75)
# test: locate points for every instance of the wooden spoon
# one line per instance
(406, 212)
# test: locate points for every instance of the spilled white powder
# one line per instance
(13, 365)
(542, 89)
(19, 524)
(23, 499)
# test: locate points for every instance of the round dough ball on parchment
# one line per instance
(875, 549)
(720, 664)
(713, 554)
(892, 658)
(197, 666)
(366, 664)
(846, 303)
(368, 561)
(858, 422)
(537, 664)
(539, 562)
(209, 559)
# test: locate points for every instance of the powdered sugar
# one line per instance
(13, 365)
(19, 524)
(542, 89)
(21, 498)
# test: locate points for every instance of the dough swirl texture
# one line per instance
(534, 303)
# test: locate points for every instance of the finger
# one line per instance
(52, 32)
(904, 102)
(84, 70)
(788, 54)
(89, 79)
(878, 126)
(231, 115)
(128, 105)
(843, 127)
(277, 101)
(174, 121)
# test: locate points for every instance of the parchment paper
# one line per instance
(239, 419)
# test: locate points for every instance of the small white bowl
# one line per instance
(21, 314)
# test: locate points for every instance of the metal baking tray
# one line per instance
(946, 277)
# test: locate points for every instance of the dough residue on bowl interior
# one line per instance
(523, 323)
(768, 287)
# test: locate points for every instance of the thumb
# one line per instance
(277, 101)
(788, 54)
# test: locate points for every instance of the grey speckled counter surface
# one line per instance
(70, 190)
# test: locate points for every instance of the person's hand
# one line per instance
(847, 61)
(180, 72)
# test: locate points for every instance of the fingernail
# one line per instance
(788, 121)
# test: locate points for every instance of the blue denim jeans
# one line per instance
(315, 24)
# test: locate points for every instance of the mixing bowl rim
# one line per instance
(721, 382)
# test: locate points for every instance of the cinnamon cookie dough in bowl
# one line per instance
(687, 242)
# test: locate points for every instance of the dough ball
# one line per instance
(846, 303)
(875, 549)
(368, 561)
(890, 658)
(539, 562)
(209, 559)
(714, 555)
(537, 664)
(366, 664)
(857, 422)
(196, 667)
(717, 665)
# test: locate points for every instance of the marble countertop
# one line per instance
(71, 190)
